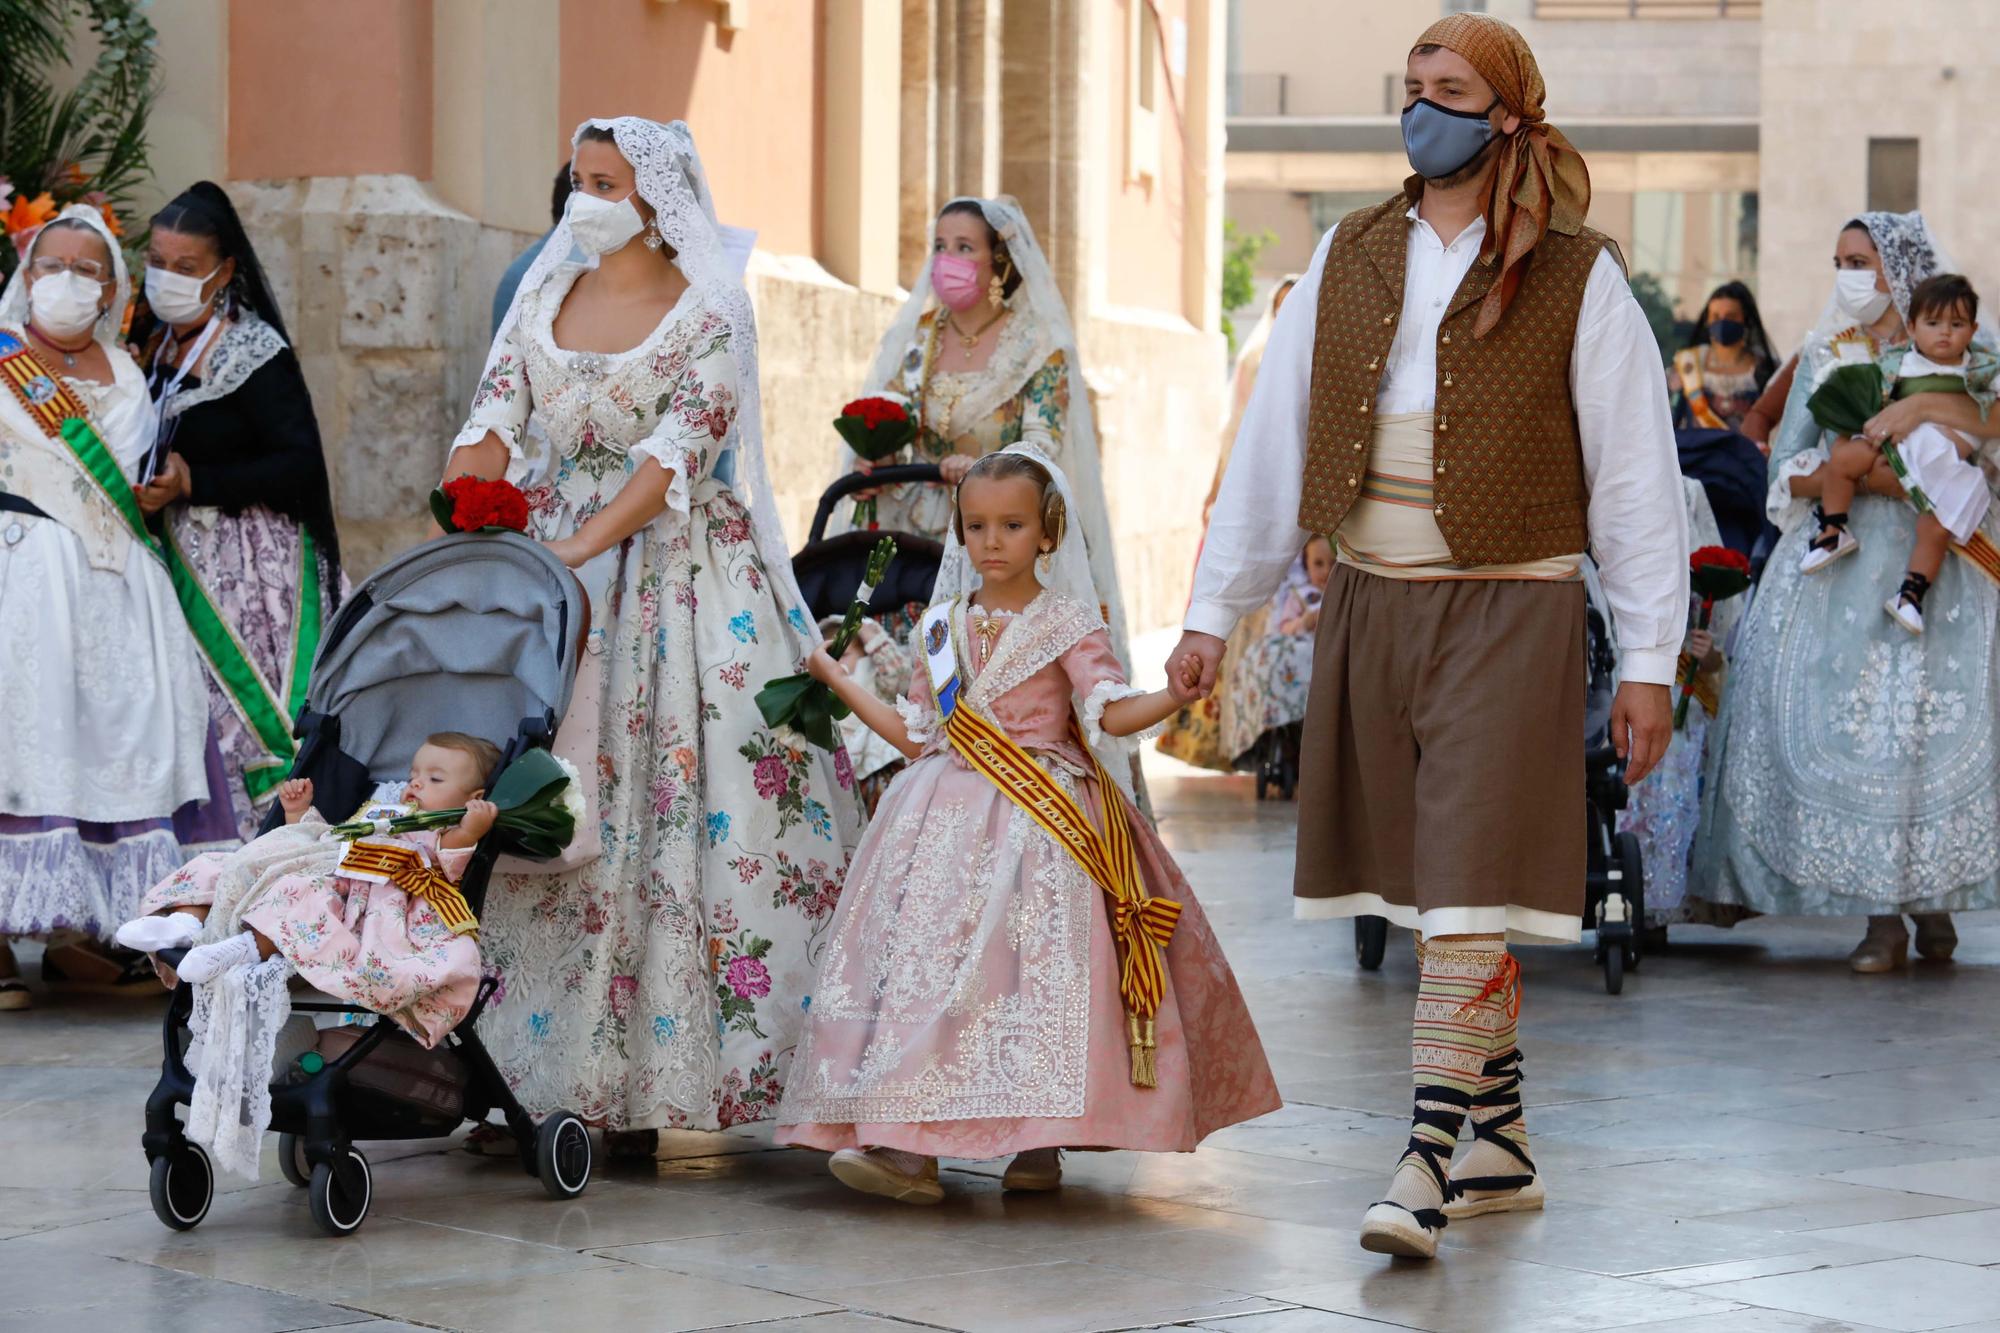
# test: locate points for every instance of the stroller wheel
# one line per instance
(292, 1163)
(1614, 969)
(182, 1186)
(562, 1155)
(339, 1197)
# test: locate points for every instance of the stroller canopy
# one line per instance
(472, 632)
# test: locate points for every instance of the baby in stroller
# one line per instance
(378, 921)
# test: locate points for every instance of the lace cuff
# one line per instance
(453, 860)
(917, 721)
(1783, 508)
(680, 462)
(1102, 696)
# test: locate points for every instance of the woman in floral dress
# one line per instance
(662, 982)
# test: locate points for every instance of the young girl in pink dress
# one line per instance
(982, 993)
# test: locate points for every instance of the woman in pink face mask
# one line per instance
(985, 354)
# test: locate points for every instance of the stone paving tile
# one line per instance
(1055, 1297)
(78, 1290)
(1966, 1238)
(1907, 1295)
(805, 1259)
(610, 1296)
(1483, 1292)
(1818, 1257)
(1961, 1178)
(1296, 1321)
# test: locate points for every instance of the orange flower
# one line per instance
(28, 214)
(111, 221)
(73, 172)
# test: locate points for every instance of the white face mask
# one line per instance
(600, 227)
(64, 304)
(1855, 289)
(176, 297)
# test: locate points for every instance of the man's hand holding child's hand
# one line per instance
(1184, 680)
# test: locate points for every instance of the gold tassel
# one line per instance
(1145, 1073)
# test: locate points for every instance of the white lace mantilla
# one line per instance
(236, 1021)
(240, 349)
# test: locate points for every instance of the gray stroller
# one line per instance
(471, 633)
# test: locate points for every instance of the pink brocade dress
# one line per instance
(360, 942)
(967, 1003)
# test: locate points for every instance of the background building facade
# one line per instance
(1726, 138)
(392, 156)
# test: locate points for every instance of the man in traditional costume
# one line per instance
(1463, 393)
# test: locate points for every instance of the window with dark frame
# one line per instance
(1893, 169)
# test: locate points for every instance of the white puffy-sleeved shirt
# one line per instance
(1631, 468)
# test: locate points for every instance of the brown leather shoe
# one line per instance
(1936, 936)
(1884, 948)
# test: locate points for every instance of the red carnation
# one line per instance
(1719, 556)
(472, 504)
(1714, 574)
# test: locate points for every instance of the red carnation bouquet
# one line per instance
(1716, 574)
(471, 504)
(875, 427)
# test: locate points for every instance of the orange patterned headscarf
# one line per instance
(1542, 184)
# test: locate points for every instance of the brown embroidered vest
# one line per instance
(1508, 466)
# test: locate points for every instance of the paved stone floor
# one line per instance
(1749, 1139)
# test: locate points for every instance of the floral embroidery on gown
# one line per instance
(968, 1002)
(663, 983)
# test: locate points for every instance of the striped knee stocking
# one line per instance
(1450, 1046)
(1498, 1159)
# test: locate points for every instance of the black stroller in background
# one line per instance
(466, 633)
(1614, 902)
(829, 569)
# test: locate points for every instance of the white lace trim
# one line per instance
(1050, 626)
(678, 460)
(240, 350)
(236, 1019)
(1102, 696)
(54, 879)
(1783, 508)
(917, 720)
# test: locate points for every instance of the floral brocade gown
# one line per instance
(664, 982)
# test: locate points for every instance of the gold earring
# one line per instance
(996, 292)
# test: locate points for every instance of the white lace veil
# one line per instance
(1037, 303)
(109, 329)
(1068, 571)
(1068, 575)
(1910, 252)
(670, 179)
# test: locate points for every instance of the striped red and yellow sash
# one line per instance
(1142, 926)
(405, 867)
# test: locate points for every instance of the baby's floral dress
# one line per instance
(664, 982)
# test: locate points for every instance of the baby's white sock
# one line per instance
(150, 934)
(209, 961)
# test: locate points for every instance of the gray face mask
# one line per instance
(1441, 141)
